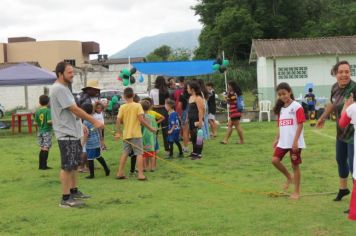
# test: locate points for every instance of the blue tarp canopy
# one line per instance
(24, 74)
(176, 68)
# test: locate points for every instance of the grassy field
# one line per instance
(223, 194)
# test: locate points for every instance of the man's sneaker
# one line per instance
(79, 195)
(71, 203)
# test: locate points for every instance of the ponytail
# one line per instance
(277, 108)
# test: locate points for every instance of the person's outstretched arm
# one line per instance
(320, 123)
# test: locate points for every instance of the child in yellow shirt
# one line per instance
(131, 115)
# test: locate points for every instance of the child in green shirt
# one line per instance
(44, 123)
(148, 138)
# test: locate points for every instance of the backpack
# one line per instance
(240, 103)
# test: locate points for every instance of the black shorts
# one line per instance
(235, 118)
(311, 107)
(71, 151)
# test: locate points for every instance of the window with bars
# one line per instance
(300, 72)
(353, 70)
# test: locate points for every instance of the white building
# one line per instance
(300, 62)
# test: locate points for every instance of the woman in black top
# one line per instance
(196, 109)
(212, 109)
(183, 106)
(159, 94)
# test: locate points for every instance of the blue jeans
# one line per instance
(344, 157)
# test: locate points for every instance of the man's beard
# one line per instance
(67, 80)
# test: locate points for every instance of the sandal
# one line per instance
(222, 142)
(144, 179)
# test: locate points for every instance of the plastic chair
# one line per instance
(265, 107)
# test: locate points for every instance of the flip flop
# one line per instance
(121, 177)
(144, 179)
(222, 142)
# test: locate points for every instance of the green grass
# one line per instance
(223, 194)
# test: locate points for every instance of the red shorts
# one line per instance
(149, 154)
(280, 152)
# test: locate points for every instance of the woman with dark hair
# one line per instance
(233, 91)
(340, 91)
(183, 106)
(205, 95)
(196, 110)
(159, 94)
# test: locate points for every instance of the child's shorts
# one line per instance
(93, 153)
(149, 154)
(45, 139)
(133, 144)
(280, 152)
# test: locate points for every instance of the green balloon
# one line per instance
(126, 82)
(126, 72)
(226, 62)
(216, 67)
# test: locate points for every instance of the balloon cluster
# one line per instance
(220, 65)
(126, 76)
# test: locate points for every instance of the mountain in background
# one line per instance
(142, 47)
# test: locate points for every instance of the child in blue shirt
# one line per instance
(93, 144)
(173, 129)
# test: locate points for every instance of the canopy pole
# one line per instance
(227, 104)
(26, 97)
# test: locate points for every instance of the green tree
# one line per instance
(165, 53)
(180, 54)
(153, 57)
(230, 25)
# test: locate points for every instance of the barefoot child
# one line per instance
(159, 118)
(44, 123)
(92, 143)
(348, 116)
(290, 136)
(131, 116)
(233, 93)
(148, 137)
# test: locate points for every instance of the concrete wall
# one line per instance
(108, 80)
(318, 73)
(12, 97)
(2, 53)
(47, 53)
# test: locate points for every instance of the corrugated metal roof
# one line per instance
(302, 47)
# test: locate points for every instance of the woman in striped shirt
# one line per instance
(234, 115)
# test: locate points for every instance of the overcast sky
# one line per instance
(114, 24)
